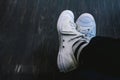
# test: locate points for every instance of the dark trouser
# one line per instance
(102, 55)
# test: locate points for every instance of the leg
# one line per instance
(102, 54)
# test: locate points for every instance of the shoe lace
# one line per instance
(87, 32)
(84, 33)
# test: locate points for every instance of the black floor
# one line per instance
(28, 34)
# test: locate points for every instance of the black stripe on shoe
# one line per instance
(78, 47)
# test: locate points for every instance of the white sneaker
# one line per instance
(68, 36)
(86, 25)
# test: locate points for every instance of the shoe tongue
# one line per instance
(68, 30)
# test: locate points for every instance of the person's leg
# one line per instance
(102, 54)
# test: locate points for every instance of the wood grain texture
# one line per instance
(28, 34)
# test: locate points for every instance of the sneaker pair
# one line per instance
(72, 36)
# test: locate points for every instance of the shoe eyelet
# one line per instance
(85, 34)
(63, 46)
(63, 40)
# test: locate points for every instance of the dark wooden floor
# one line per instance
(28, 34)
